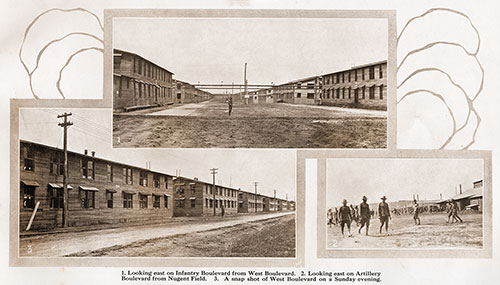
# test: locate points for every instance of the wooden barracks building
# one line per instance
(364, 85)
(101, 191)
(139, 83)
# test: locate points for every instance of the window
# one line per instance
(310, 95)
(348, 76)
(143, 201)
(109, 172)
(87, 168)
(181, 203)
(128, 200)
(338, 93)
(380, 72)
(372, 72)
(343, 93)
(57, 164)
(372, 92)
(192, 188)
(193, 203)
(156, 201)
(363, 74)
(349, 92)
(356, 75)
(211, 203)
(127, 175)
(298, 95)
(180, 190)
(363, 92)
(109, 199)
(156, 180)
(56, 197)
(343, 77)
(28, 196)
(165, 201)
(87, 199)
(381, 91)
(29, 159)
(166, 182)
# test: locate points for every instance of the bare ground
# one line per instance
(433, 232)
(256, 126)
(273, 237)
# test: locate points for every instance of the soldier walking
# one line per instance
(364, 212)
(384, 215)
(345, 217)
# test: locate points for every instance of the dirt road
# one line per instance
(433, 232)
(273, 237)
(251, 126)
(73, 242)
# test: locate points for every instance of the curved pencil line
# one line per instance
(469, 101)
(475, 130)
(31, 25)
(430, 45)
(58, 40)
(440, 97)
(432, 10)
(58, 83)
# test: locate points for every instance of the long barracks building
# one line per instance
(140, 83)
(359, 86)
(102, 191)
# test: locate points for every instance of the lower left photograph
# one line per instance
(79, 197)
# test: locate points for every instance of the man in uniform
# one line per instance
(415, 212)
(345, 217)
(329, 216)
(384, 215)
(230, 105)
(364, 213)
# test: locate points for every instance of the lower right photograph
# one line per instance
(410, 206)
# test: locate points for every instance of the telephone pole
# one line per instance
(246, 84)
(65, 124)
(255, 185)
(213, 171)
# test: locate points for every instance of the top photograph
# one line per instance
(250, 82)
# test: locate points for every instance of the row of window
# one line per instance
(309, 95)
(220, 191)
(87, 198)
(145, 68)
(357, 92)
(209, 203)
(149, 91)
(346, 76)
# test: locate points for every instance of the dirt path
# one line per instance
(68, 243)
(273, 237)
(433, 232)
(208, 124)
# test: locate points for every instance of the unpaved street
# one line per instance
(73, 242)
(208, 124)
(433, 232)
(273, 237)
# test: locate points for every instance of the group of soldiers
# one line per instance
(345, 215)
(361, 215)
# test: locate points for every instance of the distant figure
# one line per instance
(345, 217)
(364, 213)
(329, 216)
(354, 214)
(449, 210)
(222, 211)
(230, 105)
(416, 212)
(384, 215)
(454, 210)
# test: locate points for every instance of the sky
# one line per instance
(398, 179)
(211, 50)
(273, 169)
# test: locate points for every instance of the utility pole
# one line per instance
(246, 84)
(255, 185)
(213, 171)
(65, 124)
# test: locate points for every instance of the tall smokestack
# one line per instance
(440, 196)
(460, 186)
(86, 151)
(93, 153)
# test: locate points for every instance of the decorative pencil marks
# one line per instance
(51, 40)
(438, 56)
